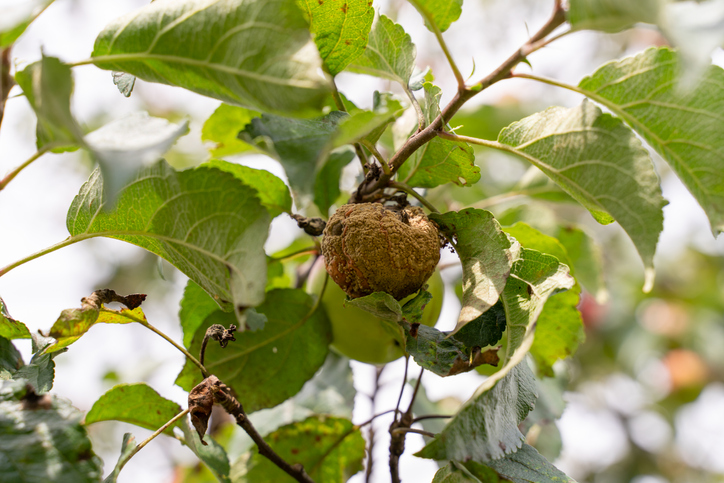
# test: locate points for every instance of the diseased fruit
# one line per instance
(369, 248)
(360, 335)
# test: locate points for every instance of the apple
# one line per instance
(358, 334)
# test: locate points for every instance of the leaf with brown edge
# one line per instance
(73, 323)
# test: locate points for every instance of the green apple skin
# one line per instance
(358, 334)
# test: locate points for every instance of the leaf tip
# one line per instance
(649, 276)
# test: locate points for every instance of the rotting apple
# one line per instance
(358, 334)
(371, 248)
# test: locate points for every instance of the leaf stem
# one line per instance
(143, 443)
(302, 251)
(87, 61)
(549, 81)
(357, 146)
(431, 416)
(490, 144)
(150, 327)
(68, 241)
(421, 122)
(381, 159)
(12, 174)
(448, 55)
(407, 189)
(413, 430)
(494, 200)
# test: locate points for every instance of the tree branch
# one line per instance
(12, 174)
(6, 80)
(222, 395)
(371, 433)
(413, 430)
(464, 94)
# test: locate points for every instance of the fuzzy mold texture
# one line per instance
(368, 248)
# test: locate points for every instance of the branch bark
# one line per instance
(211, 390)
(370, 186)
(6, 80)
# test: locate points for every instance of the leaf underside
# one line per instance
(681, 123)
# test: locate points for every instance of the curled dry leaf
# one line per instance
(201, 400)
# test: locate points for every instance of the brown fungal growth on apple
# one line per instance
(368, 248)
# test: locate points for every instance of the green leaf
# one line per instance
(72, 324)
(533, 278)
(485, 330)
(438, 14)
(299, 145)
(17, 16)
(125, 145)
(127, 447)
(459, 473)
(39, 373)
(390, 53)
(326, 184)
(529, 237)
(211, 453)
(9, 327)
(272, 191)
(331, 392)
(559, 331)
(184, 217)
(486, 254)
(684, 127)
(330, 449)
(124, 82)
(196, 305)
(369, 125)
(486, 427)
(340, 29)
(223, 127)
(252, 53)
(269, 366)
(10, 359)
(390, 313)
(443, 355)
(612, 15)
(525, 466)
(43, 440)
(486, 121)
(48, 85)
(440, 161)
(586, 259)
(137, 404)
(380, 304)
(596, 159)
